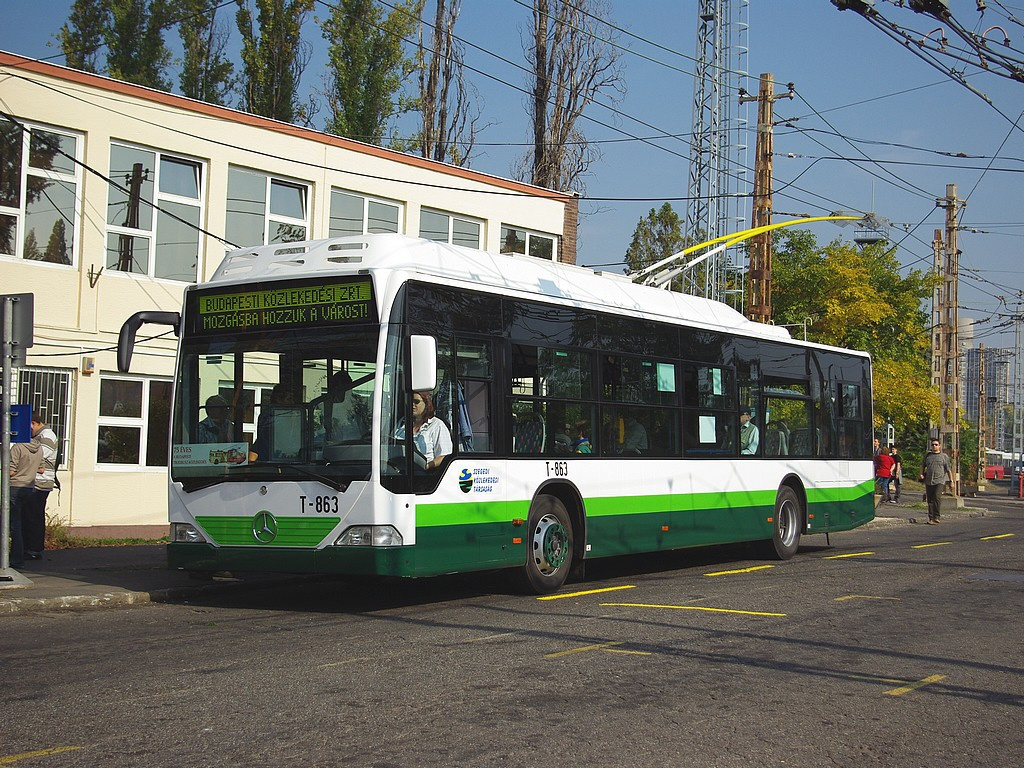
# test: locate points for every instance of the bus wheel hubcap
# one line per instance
(550, 542)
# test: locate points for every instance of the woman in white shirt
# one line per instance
(429, 434)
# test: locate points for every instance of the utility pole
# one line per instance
(1017, 457)
(982, 418)
(949, 394)
(759, 297)
(126, 243)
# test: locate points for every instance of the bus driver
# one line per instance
(429, 434)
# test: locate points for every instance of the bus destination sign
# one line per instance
(265, 307)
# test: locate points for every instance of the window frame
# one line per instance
(141, 422)
(160, 198)
(529, 234)
(452, 218)
(269, 217)
(20, 214)
(367, 201)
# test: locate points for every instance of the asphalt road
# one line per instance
(898, 645)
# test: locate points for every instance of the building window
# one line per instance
(519, 240)
(48, 391)
(449, 228)
(153, 215)
(133, 422)
(263, 209)
(39, 183)
(353, 214)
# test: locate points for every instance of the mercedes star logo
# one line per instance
(264, 527)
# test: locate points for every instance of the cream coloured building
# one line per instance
(114, 197)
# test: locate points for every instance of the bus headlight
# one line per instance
(185, 533)
(370, 536)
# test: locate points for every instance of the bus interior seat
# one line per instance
(530, 435)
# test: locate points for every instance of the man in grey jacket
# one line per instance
(935, 470)
(26, 458)
(34, 517)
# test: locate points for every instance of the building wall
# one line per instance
(79, 308)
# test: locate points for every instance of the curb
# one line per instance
(128, 598)
(76, 602)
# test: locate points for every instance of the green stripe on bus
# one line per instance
(840, 494)
(477, 512)
(291, 531)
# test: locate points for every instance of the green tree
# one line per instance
(205, 73)
(367, 65)
(32, 252)
(854, 297)
(136, 52)
(658, 235)
(57, 246)
(84, 33)
(273, 58)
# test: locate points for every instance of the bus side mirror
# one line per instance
(126, 339)
(423, 362)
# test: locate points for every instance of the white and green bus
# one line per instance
(588, 417)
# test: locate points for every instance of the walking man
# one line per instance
(935, 470)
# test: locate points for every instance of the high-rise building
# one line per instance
(998, 394)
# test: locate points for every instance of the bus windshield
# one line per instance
(275, 404)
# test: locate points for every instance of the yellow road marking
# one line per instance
(692, 608)
(865, 597)
(907, 686)
(933, 544)
(607, 647)
(1000, 536)
(852, 554)
(740, 570)
(873, 679)
(12, 759)
(915, 685)
(597, 647)
(586, 592)
(491, 637)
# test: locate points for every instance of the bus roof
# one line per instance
(506, 274)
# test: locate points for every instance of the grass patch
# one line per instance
(58, 537)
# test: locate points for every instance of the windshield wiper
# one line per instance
(330, 482)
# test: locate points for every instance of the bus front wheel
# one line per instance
(788, 522)
(549, 545)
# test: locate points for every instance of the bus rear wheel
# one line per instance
(549, 544)
(788, 522)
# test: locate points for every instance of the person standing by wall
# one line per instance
(936, 470)
(34, 515)
(26, 458)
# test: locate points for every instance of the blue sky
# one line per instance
(850, 79)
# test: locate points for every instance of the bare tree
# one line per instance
(574, 59)
(449, 113)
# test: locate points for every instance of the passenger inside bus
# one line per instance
(216, 427)
(749, 436)
(278, 426)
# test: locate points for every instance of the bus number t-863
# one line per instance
(557, 468)
(321, 505)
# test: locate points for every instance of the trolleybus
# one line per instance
(587, 417)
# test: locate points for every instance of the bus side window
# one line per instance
(472, 422)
